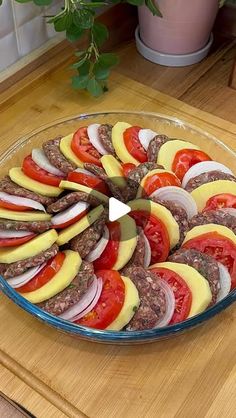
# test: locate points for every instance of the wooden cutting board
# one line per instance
(191, 375)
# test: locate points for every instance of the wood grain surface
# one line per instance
(192, 375)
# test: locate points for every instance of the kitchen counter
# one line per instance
(193, 374)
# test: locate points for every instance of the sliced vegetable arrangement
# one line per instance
(171, 258)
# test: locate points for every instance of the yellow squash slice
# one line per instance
(17, 175)
(59, 282)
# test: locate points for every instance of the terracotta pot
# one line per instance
(184, 28)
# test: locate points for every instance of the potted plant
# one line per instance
(180, 35)
(167, 26)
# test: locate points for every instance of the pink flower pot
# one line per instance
(184, 28)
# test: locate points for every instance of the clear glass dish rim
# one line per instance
(103, 334)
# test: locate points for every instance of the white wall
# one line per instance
(23, 29)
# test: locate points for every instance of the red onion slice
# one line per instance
(15, 234)
(43, 162)
(21, 201)
(70, 213)
(145, 136)
(93, 304)
(230, 211)
(170, 304)
(148, 252)
(100, 246)
(94, 138)
(225, 282)
(24, 278)
(177, 195)
(84, 302)
(84, 171)
(204, 167)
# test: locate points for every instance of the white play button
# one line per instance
(117, 209)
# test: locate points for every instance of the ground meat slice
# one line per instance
(71, 198)
(207, 178)
(20, 267)
(152, 299)
(179, 214)
(218, 217)
(203, 263)
(35, 226)
(8, 186)
(100, 173)
(135, 177)
(72, 294)
(104, 132)
(138, 256)
(154, 147)
(56, 158)
(86, 241)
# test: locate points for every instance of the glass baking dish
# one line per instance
(172, 127)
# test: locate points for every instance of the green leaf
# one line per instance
(80, 82)
(0, 2)
(101, 73)
(79, 63)
(100, 33)
(63, 22)
(96, 4)
(43, 2)
(84, 69)
(94, 88)
(136, 2)
(74, 33)
(108, 60)
(153, 8)
(23, 1)
(83, 18)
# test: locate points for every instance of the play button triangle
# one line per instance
(117, 209)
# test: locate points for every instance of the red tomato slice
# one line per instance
(12, 206)
(71, 221)
(158, 180)
(182, 293)
(109, 256)
(220, 248)
(127, 167)
(46, 274)
(110, 302)
(14, 242)
(220, 201)
(33, 171)
(186, 158)
(88, 181)
(156, 233)
(133, 144)
(83, 148)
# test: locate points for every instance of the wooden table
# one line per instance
(193, 375)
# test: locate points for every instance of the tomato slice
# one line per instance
(127, 167)
(14, 242)
(12, 206)
(186, 158)
(110, 302)
(71, 221)
(83, 148)
(156, 233)
(46, 274)
(109, 256)
(220, 248)
(182, 293)
(89, 181)
(220, 201)
(133, 144)
(158, 180)
(33, 171)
